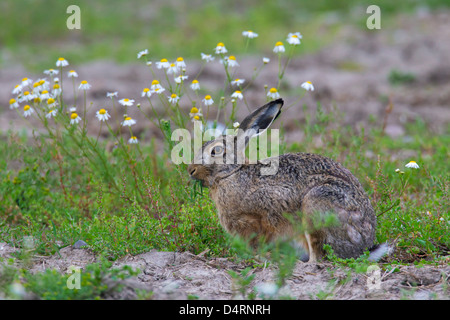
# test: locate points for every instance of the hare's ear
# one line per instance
(261, 119)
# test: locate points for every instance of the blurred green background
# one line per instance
(34, 33)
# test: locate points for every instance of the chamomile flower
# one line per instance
(159, 90)
(84, 85)
(26, 82)
(44, 84)
(51, 102)
(146, 93)
(111, 94)
(307, 86)
(236, 125)
(208, 100)
(163, 64)
(27, 111)
(237, 95)
(27, 96)
(172, 68)
(36, 87)
(207, 57)
(17, 89)
(220, 48)
(249, 34)
(128, 121)
(132, 140)
(56, 90)
(13, 104)
(102, 115)
(195, 85)
(180, 78)
(266, 60)
(273, 93)
(126, 102)
(412, 164)
(237, 82)
(62, 62)
(142, 53)
(51, 113)
(72, 74)
(279, 47)
(155, 84)
(180, 63)
(74, 118)
(195, 112)
(294, 38)
(173, 98)
(51, 72)
(230, 61)
(195, 118)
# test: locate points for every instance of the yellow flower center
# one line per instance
(146, 90)
(12, 101)
(173, 95)
(238, 92)
(134, 138)
(36, 84)
(41, 82)
(84, 82)
(294, 36)
(208, 97)
(194, 110)
(273, 90)
(37, 100)
(279, 43)
(24, 79)
(154, 82)
(308, 82)
(44, 92)
(194, 81)
(164, 60)
(412, 161)
(179, 59)
(50, 101)
(232, 58)
(61, 59)
(126, 100)
(56, 86)
(27, 107)
(72, 71)
(220, 44)
(127, 118)
(196, 117)
(172, 65)
(73, 116)
(102, 111)
(26, 93)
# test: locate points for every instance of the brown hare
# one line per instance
(251, 203)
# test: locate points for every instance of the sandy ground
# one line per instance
(352, 74)
(172, 275)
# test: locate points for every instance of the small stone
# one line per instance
(79, 244)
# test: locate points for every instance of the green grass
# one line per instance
(34, 33)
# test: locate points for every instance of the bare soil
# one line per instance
(178, 275)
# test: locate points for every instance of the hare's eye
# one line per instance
(216, 150)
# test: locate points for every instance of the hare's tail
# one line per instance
(380, 250)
